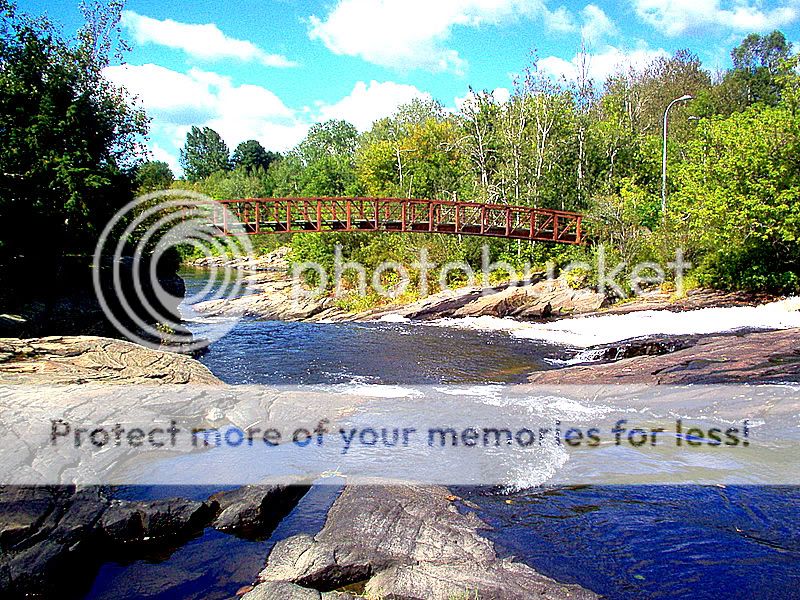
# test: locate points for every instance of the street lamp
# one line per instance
(664, 153)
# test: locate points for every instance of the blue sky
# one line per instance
(267, 70)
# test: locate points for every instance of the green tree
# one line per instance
(330, 138)
(153, 175)
(757, 65)
(204, 153)
(251, 154)
(68, 136)
(738, 193)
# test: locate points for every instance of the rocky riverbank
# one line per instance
(404, 542)
(271, 295)
(758, 357)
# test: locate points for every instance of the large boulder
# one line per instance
(61, 360)
(761, 357)
(549, 298)
(254, 509)
(407, 542)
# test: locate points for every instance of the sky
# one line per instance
(267, 70)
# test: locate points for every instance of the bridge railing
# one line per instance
(298, 215)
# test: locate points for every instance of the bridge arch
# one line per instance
(319, 214)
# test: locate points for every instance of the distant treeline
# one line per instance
(72, 156)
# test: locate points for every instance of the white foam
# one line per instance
(582, 332)
(394, 318)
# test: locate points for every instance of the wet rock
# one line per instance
(151, 521)
(273, 300)
(254, 509)
(272, 590)
(83, 359)
(761, 357)
(60, 535)
(406, 542)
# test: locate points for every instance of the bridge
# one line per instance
(303, 215)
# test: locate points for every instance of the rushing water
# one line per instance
(633, 541)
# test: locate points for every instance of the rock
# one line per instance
(275, 262)
(405, 542)
(273, 300)
(136, 522)
(253, 509)
(53, 538)
(693, 300)
(549, 298)
(763, 357)
(59, 536)
(274, 590)
(83, 359)
(49, 534)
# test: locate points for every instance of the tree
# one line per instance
(68, 136)
(757, 64)
(478, 118)
(738, 193)
(153, 175)
(203, 154)
(330, 138)
(251, 154)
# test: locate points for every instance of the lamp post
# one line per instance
(664, 153)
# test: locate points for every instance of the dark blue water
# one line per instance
(654, 541)
(623, 542)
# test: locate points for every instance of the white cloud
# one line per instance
(176, 101)
(602, 64)
(161, 154)
(677, 17)
(200, 41)
(596, 25)
(368, 103)
(408, 34)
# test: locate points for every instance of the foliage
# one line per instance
(250, 155)
(204, 154)
(738, 193)
(69, 137)
(153, 175)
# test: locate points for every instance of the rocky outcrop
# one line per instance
(693, 300)
(763, 357)
(549, 298)
(536, 301)
(88, 359)
(125, 522)
(54, 537)
(272, 590)
(276, 262)
(408, 542)
(52, 534)
(268, 299)
(270, 293)
(253, 509)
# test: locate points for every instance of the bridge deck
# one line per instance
(299, 215)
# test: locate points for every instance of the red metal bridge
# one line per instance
(299, 215)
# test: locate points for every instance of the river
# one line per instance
(620, 541)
